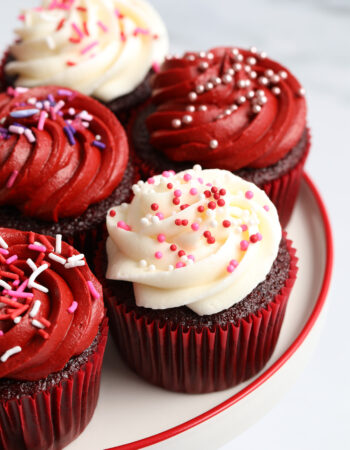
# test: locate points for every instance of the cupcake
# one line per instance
(53, 333)
(198, 275)
(62, 165)
(104, 48)
(228, 108)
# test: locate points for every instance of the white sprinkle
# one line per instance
(5, 285)
(32, 101)
(197, 167)
(98, 137)
(32, 264)
(136, 189)
(145, 221)
(71, 111)
(76, 257)
(50, 42)
(184, 258)
(213, 223)
(170, 268)
(60, 104)
(34, 275)
(151, 267)
(84, 115)
(10, 352)
(3, 243)
(155, 219)
(17, 319)
(35, 309)
(58, 246)
(190, 262)
(70, 265)
(29, 135)
(57, 258)
(124, 205)
(143, 263)
(37, 324)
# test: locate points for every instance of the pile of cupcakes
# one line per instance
(172, 177)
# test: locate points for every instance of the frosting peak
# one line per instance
(103, 48)
(228, 108)
(200, 238)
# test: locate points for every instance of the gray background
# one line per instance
(313, 39)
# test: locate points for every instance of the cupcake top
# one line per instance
(60, 151)
(200, 238)
(103, 48)
(228, 108)
(51, 304)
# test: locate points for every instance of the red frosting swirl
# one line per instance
(41, 331)
(227, 108)
(56, 166)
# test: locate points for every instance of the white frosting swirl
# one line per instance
(103, 48)
(215, 275)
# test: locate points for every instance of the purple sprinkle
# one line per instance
(99, 144)
(51, 99)
(60, 113)
(65, 92)
(69, 135)
(72, 129)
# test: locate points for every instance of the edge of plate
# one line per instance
(167, 434)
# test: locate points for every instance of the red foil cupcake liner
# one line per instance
(51, 419)
(188, 359)
(283, 191)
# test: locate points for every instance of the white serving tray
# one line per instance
(130, 409)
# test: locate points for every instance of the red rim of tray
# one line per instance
(167, 434)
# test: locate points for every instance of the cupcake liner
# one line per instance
(199, 359)
(51, 419)
(283, 191)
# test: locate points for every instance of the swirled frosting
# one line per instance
(103, 48)
(226, 108)
(203, 239)
(50, 305)
(60, 151)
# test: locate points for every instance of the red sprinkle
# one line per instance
(176, 201)
(207, 234)
(184, 222)
(112, 213)
(221, 202)
(200, 208)
(211, 240)
(244, 227)
(178, 222)
(169, 185)
(154, 206)
(211, 205)
(222, 192)
(207, 193)
(181, 253)
(214, 189)
(226, 223)
(173, 247)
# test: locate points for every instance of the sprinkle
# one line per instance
(211, 205)
(43, 334)
(177, 193)
(200, 208)
(69, 135)
(102, 26)
(5, 285)
(60, 24)
(123, 225)
(266, 208)
(93, 290)
(244, 245)
(193, 191)
(1, 333)
(4, 251)
(76, 257)
(35, 309)
(161, 237)
(249, 195)
(143, 263)
(173, 247)
(29, 135)
(230, 268)
(84, 115)
(73, 307)
(72, 264)
(221, 202)
(34, 275)
(89, 47)
(213, 144)
(12, 179)
(57, 258)
(78, 30)
(226, 223)
(151, 267)
(11, 259)
(160, 215)
(10, 352)
(150, 180)
(154, 206)
(211, 240)
(71, 63)
(112, 213)
(156, 67)
(42, 119)
(195, 226)
(15, 129)
(187, 177)
(158, 255)
(99, 144)
(37, 248)
(22, 113)
(37, 324)
(179, 264)
(139, 30)
(244, 227)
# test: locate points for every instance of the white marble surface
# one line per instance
(312, 38)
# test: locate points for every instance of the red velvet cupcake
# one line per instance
(198, 279)
(63, 164)
(228, 108)
(104, 49)
(53, 333)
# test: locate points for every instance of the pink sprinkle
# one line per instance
(191, 257)
(102, 26)
(37, 248)
(89, 47)
(230, 268)
(93, 290)
(78, 30)
(3, 251)
(209, 184)
(161, 237)
(166, 174)
(266, 208)
(139, 30)
(52, 113)
(244, 245)
(123, 225)
(187, 177)
(15, 283)
(42, 118)
(193, 191)
(150, 180)
(195, 226)
(18, 294)
(177, 193)
(249, 195)
(12, 179)
(179, 264)
(22, 286)
(160, 215)
(172, 172)
(158, 255)
(21, 17)
(73, 307)
(118, 14)
(11, 259)
(244, 227)
(259, 236)
(156, 67)
(1, 333)
(234, 263)
(200, 180)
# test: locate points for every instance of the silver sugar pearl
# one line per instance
(200, 89)
(253, 49)
(227, 79)
(237, 66)
(263, 80)
(247, 68)
(202, 54)
(276, 90)
(301, 92)
(192, 96)
(256, 109)
(210, 56)
(241, 83)
(283, 74)
(209, 85)
(235, 51)
(190, 108)
(241, 100)
(217, 81)
(203, 65)
(187, 119)
(253, 74)
(275, 78)
(202, 108)
(213, 143)
(263, 55)
(250, 94)
(230, 72)
(176, 123)
(238, 58)
(269, 73)
(251, 61)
